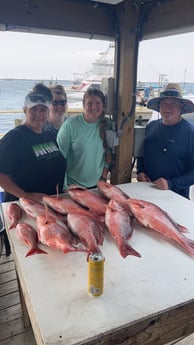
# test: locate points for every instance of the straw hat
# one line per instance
(172, 90)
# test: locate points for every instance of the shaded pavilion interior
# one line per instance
(126, 23)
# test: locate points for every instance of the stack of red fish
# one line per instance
(77, 222)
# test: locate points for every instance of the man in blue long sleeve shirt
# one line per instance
(169, 144)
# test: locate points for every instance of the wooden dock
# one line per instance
(12, 330)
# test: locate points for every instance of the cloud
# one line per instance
(42, 56)
(172, 55)
(37, 56)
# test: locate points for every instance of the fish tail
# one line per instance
(40, 251)
(125, 249)
(34, 251)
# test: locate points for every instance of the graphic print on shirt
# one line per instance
(45, 150)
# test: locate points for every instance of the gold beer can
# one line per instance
(95, 274)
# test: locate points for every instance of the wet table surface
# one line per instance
(149, 300)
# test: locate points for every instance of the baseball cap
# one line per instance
(34, 98)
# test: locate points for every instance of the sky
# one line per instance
(40, 56)
(172, 56)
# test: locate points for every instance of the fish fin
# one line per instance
(126, 206)
(74, 249)
(34, 251)
(182, 229)
(125, 249)
(12, 226)
(132, 227)
(79, 247)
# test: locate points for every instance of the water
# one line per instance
(188, 88)
(12, 95)
(13, 92)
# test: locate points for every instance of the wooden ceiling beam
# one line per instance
(69, 18)
(169, 18)
(87, 19)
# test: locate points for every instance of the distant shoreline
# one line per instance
(36, 79)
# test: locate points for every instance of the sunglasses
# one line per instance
(61, 102)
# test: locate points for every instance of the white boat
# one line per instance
(102, 67)
(76, 93)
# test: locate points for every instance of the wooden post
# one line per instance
(128, 19)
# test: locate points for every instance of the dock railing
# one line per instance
(141, 117)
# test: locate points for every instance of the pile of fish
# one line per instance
(78, 222)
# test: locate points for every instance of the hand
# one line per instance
(161, 183)
(142, 177)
